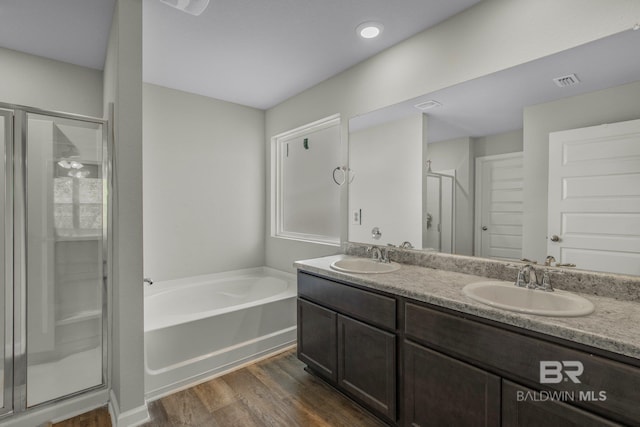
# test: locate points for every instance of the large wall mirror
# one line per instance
(537, 160)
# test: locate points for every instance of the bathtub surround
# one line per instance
(203, 184)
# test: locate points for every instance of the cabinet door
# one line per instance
(523, 407)
(441, 391)
(317, 339)
(367, 365)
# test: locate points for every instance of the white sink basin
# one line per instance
(364, 265)
(510, 297)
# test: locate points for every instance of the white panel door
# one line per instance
(499, 204)
(594, 197)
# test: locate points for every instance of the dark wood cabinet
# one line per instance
(440, 390)
(524, 407)
(342, 338)
(367, 365)
(416, 364)
(317, 339)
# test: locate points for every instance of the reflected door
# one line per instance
(594, 197)
(499, 206)
(65, 207)
(6, 262)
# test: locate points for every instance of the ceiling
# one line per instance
(252, 52)
(74, 31)
(494, 103)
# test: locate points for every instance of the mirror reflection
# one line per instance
(538, 162)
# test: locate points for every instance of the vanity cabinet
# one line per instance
(605, 391)
(347, 336)
(416, 364)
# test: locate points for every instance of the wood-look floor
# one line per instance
(274, 392)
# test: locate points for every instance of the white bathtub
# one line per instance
(199, 327)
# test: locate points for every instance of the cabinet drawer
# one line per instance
(518, 357)
(372, 308)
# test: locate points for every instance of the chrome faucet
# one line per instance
(549, 260)
(406, 245)
(377, 254)
(528, 278)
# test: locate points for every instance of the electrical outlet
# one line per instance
(356, 217)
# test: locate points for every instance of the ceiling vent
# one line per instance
(427, 105)
(565, 81)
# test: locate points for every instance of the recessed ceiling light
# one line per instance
(369, 30)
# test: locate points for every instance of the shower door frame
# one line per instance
(16, 193)
(7, 194)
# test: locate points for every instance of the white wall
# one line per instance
(387, 162)
(52, 85)
(458, 154)
(491, 36)
(617, 104)
(123, 87)
(203, 184)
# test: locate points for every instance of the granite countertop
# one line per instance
(613, 326)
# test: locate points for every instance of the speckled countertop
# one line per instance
(613, 326)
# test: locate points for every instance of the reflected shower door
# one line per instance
(6, 276)
(65, 204)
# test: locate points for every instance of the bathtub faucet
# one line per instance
(147, 280)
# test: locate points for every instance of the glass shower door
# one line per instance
(65, 213)
(6, 263)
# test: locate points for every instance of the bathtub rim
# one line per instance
(166, 286)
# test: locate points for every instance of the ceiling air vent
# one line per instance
(427, 105)
(565, 81)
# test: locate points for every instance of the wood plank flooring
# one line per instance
(274, 392)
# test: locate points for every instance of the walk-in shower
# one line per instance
(53, 256)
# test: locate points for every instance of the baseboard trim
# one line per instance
(131, 418)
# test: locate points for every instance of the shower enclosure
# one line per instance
(439, 211)
(53, 217)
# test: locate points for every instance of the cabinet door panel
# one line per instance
(367, 365)
(521, 408)
(317, 339)
(441, 391)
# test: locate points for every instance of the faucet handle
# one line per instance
(546, 283)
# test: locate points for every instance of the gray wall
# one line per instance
(491, 36)
(387, 162)
(606, 106)
(123, 87)
(52, 85)
(203, 184)
(503, 143)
